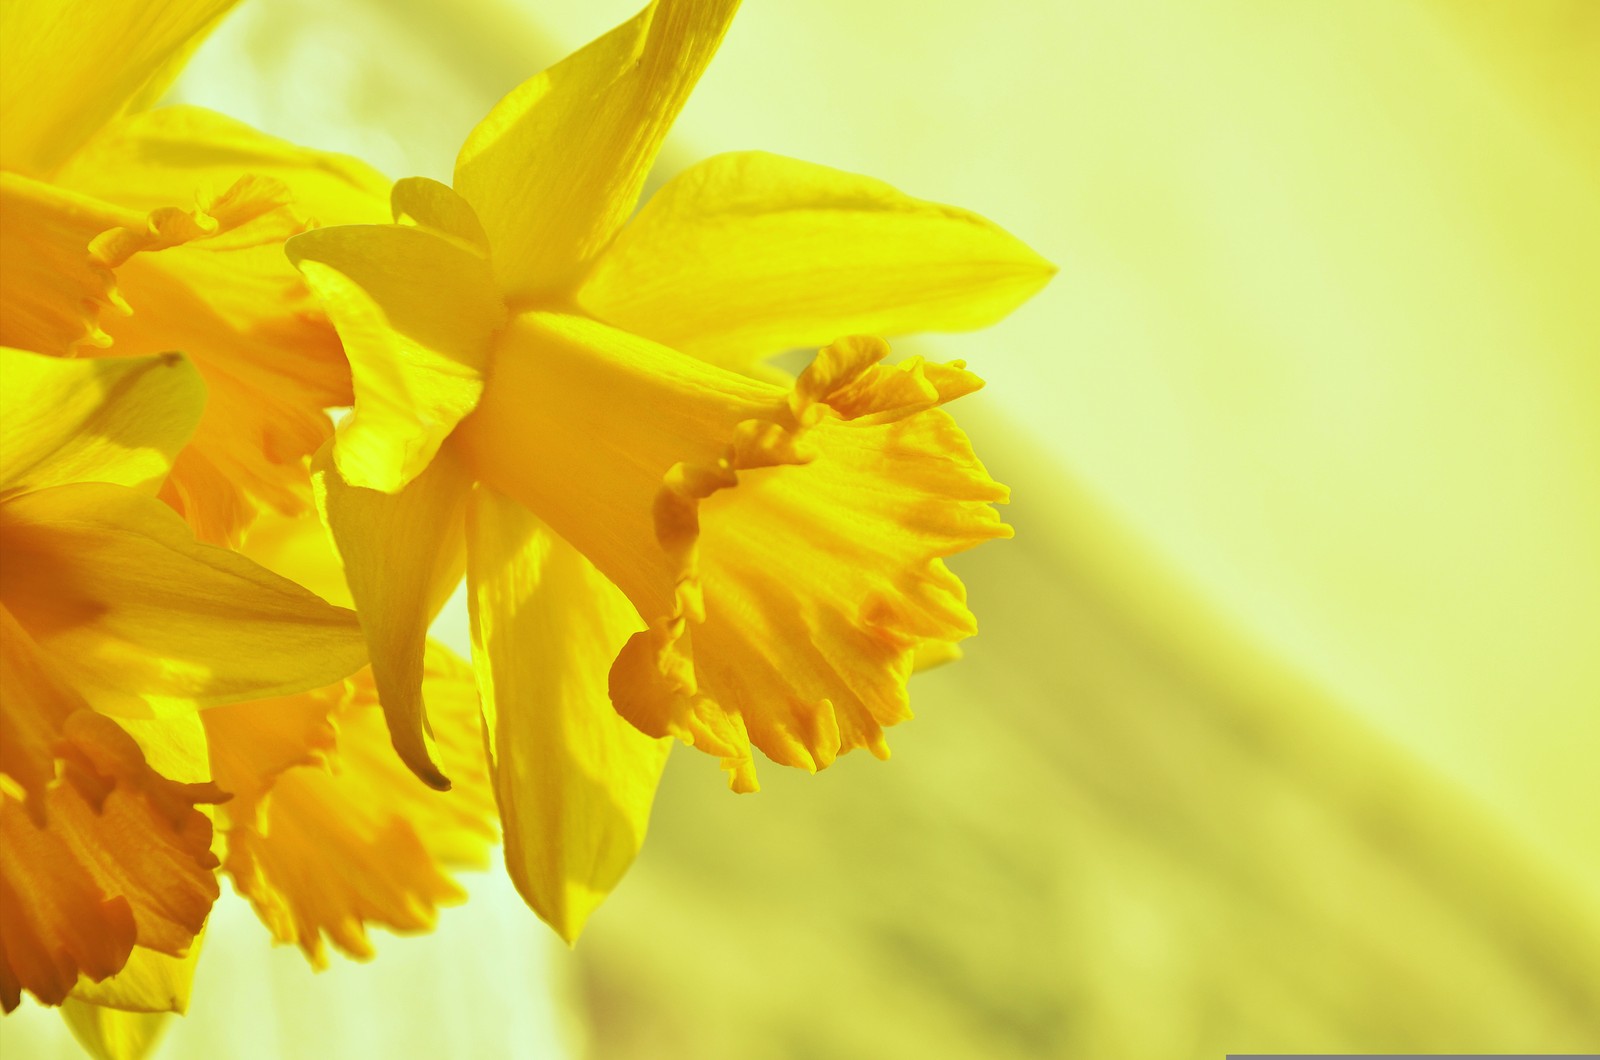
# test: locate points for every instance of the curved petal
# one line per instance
(149, 982)
(556, 167)
(141, 618)
(784, 612)
(176, 154)
(430, 204)
(403, 555)
(573, 779)
(748, 255)
(118, 421)
(345, 836)
(69, 66)
(111, 1033)
(416, 310)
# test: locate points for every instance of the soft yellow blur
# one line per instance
(1280, 732)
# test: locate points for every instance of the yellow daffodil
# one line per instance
(326, 830)
(108, 606)
(129, 231)
(656, 543)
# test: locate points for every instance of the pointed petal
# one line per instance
(113, 1034)
(142, 618)
(430, 204)
(574, 780)
(748, 255)
(556, 167)
(150, 981)
(403, 555)
(347, 837)
(69, 66)
(119, 421)
(416, 309)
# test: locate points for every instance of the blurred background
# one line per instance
(1280, 733)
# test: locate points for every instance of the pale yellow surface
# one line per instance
(1280, 733)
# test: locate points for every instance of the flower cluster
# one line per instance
(556, 397)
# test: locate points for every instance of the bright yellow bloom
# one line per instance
(127, 231)
(326, 830)
(656, 543)
(109, 607)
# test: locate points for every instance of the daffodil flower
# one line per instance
(130, 231)
(560, 402)
(326, 831)
(109, 607)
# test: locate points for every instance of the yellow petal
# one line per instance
(416, 309)
(430, 204)
(857, 479)
(142, 618)
(403, 555)
(113, 1034)
(178, 154)
(124, 857)
(149, 982)
(573, 779)
(350, 838)
(747, 255)
(119, 421)
(69, 66)
(556, 167)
